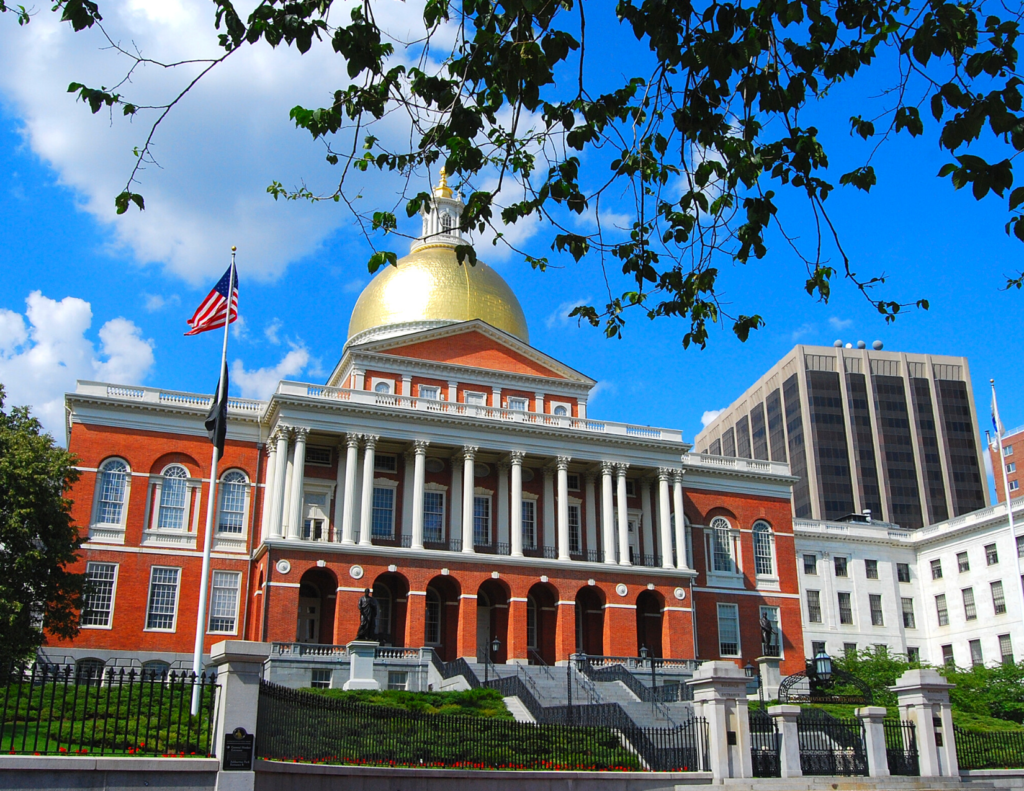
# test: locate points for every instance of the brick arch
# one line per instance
(590, 601)
(650, 606)
(721, 510)
(397, 587)
(326, 583)
(448, 591)
(543, 597)
(194, 468)
(497, 593)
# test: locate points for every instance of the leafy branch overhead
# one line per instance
(708, 136)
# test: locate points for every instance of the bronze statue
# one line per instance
(767, 633)
(369, 613)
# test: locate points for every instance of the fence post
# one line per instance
(872, 718)
(239, 666)
(924, 700)
(789, 740)
(720, 696)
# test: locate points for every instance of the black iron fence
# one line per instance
(901, 747)
(667, 693)
(764, 744)
(63, 710)
(310, 728)
(830, 745)
(992, 750)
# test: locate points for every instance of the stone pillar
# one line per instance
(416, 609)
(623, 515)
(590, 506)
(720, 696)
(924, 700)
(298, 474)
(549, 508)
(468, 484)
(503, 526)
(563, 508)
(771, 677)
(466, 639)
(538, 403)
(677, 501)
(366, 509)
(647, 517)
(348, 508)
(607, 517)
(518, 653)
(280, 468)
(418, 484)
(665, 519)
(361, 654)
(874, 739)
(516, 523)
(239, 666)
(339, 493)
(407, 486)
(789, 739)
(565, 631)
(455, 501)
(268, 488)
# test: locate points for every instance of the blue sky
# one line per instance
(302, 267)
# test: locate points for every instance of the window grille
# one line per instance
(433, 516)
(529, 524)
(810, 564)
(875, 603)
(224, 601)
(936, 569)
(976, 656)
(163, 598)
(814, 606)
(991, 555)
(903, 572)
(970, 611)
(383, 520)
(962, 562)
(321, 678)
(482, 521)
(840, 566)
(728, 630)
(575, 544)
(941, 610)
(99, 596)
(998, 599)
(113, 483)
(871, 569)
(764, 550)
(721, 534)
(318, 456)
(385, 462)
(173, 496)
(1006, 649)
(845, 608)
(908, 613)
(232, 503)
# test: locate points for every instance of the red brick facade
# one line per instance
(1013, 447)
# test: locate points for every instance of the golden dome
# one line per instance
(430, 288)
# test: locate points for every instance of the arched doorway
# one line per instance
(590, 621)
(391, 592)
(441, 627)
(541, 617)
(649, 606)
(492, 621)
(317, 595)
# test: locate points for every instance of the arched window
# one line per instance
(432, 633)
(560, 411)
(764, 550)
(155, 670)
(173, 498)
(89, 671)
(233, 488)
(382, 387)
(722, 548)
(113, 487)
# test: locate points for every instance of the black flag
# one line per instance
(217, 417)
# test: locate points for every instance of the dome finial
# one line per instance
(442, 190)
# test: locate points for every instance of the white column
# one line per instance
(298, 473)
(268, 488)
(538, 402)
(286, 507)
(516, 522)
(407, 387)
(503, 526)
(623, 515)
(581, 408)
(549, 508)
(591, 506)
(277, 496)
(607, 513)
(563, 508)
(665, 519)
(496, 396)
(366, 510)
(468, 482)
(453, 392)
(351, 462)
(677, 501)
(419, 473)
(358, 379)
(647, 517)
(339, 492)
(407, 485)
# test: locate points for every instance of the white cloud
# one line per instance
(157, 302)
(41, 362)
(837, 323)
(270, 331)
(602, 388)
(802, 331)
(262, 382)
(708, 416)
(559, 317)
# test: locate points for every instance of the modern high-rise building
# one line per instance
(892, 433)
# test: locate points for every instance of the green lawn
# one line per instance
(485, 703)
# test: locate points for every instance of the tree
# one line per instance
(710, 133)
(37, 538)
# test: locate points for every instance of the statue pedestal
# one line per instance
(768, 668)
(360, 668)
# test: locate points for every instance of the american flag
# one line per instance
(213, 312)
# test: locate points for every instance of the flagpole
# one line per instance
(1006, 486)
(211, 502)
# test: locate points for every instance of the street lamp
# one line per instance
(823, 666)
(750, 671)
(495, 646)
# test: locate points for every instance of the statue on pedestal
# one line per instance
(767, 636)
(369, 613)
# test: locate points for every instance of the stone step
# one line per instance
(518, 710)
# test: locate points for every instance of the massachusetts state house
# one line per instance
(450, 467)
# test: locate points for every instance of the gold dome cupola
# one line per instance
(429, 287)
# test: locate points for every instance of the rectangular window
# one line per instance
(482, 521)
(813, 606)
(947, 655)
(817, 647)
(849, 650)
(1006, 649)
(100, 579)
(913, 654)
(941, 610)
(1014, 485)
(317, 456)
(991, 555)
(903, 572)
(962, 563)
(385, 462)
(321, 678)
(936, 569)
(433, 516)
(1011, 467)
(970, 611)
(313, 529)
(630, 488)
(575, 542)
(477, 399)
(1008, 450)
(572, 481)
(908, 613)
(517, 404)
(383, 519)
(224, 601)
(398, 679)
(810, 564)
(871, 569)
(998, 600)
(1020, 546)
(976, 657)
(430, 392)
(529, 524)
(875, 602)
(163, 598)
(845, 610)
(840, 566)
(231, 516)
(728, 630)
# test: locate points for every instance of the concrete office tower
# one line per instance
(864, 429)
